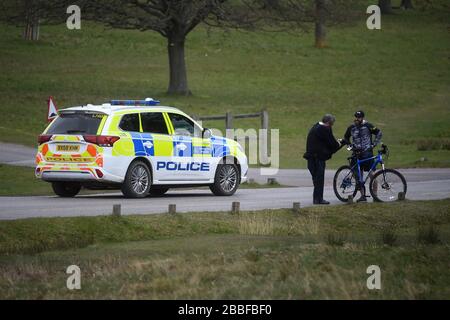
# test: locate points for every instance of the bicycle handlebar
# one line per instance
(352, 147)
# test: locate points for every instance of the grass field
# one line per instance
(18, 181)
(399, 75)
(322, 253)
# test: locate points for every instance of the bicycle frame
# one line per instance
(378, 160)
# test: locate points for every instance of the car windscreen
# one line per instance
(76, 123)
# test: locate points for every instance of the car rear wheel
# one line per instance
(137, 180)
(66, 189)
(226, 180)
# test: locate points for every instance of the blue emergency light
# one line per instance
(146, 102)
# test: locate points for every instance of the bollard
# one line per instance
(401, 196)
(271, 181)
(235, 207)
(116, 210)
(296, 207)
(350, 199)
(228, 120)
(172, 208)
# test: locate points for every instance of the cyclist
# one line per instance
(361, 133)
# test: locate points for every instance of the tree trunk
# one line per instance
(320, 31)
(385, 6)
(31, 31)
(178, 78)
(407, 4)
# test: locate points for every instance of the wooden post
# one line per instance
(172, 208)
(263, 153)
(235, 207)
(350, 199)
(401, 196)
(296, 207)
(116, 210)
(229, 120)
(264, 119)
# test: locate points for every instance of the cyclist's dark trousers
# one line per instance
(317, 169)
(365, 166)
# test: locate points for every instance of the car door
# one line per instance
(157, 143)
(191, 151)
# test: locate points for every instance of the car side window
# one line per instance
(130, 122)
(183, 126)
(154, 122)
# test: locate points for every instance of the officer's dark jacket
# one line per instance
(362, 135)
(320, 142)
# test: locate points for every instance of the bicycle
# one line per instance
(384, 186)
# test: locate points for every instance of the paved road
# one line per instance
(189, 200)
(18, 155)
(422, 184)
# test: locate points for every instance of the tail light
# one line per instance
(44, 138)
(102, 141)
(99, 173)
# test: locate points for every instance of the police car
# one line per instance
(137, 146)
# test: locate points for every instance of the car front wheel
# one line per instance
(226, 180)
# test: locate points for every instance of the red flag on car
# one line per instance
(52, 110)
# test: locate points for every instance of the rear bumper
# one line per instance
(67, 176)
(75, 174)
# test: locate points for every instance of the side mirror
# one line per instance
(206, 133)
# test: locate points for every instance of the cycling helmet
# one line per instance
(359, 114)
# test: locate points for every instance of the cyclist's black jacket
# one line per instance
(320, 143)
(362, 136)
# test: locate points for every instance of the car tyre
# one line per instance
(226, 180)
(137, 180)
(66, 189)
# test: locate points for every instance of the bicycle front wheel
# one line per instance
(386, 185)
(344, 183)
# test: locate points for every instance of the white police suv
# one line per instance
(137, 146)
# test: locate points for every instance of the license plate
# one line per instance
(67, 148)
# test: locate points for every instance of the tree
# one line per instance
(174, 19)
(320, 32)
(331, 12)
(31, 14)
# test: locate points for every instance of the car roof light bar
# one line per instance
(146, 102)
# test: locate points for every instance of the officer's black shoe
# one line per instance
(362, 199)
(321, 202)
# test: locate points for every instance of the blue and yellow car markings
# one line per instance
(182, 146)
(143, 144)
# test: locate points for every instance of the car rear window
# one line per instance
(76, 123)
(130, 122)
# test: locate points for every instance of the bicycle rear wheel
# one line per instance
(386, 185)
(344, 183)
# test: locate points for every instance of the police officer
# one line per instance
(320, 145)
(361, 133)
